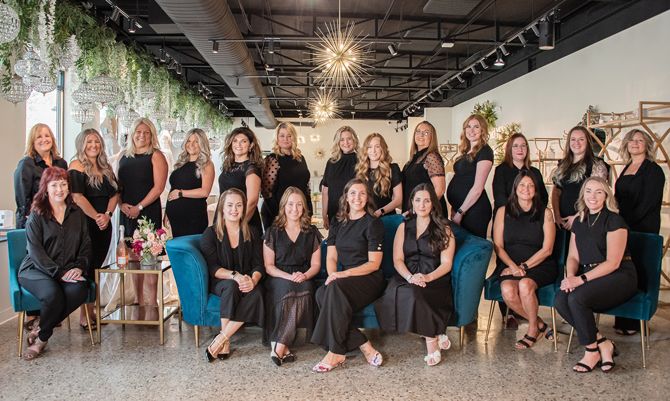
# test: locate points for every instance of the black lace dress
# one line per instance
(420, 170)
(279, 173)
(236, 177)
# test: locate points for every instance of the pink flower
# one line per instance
(136, 235)
(160, 232)
(156, 249)
(151, 237)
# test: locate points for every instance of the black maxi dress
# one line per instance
(382, 200)
(236, 177)
(408, 308)
(420, 170)
(522, 238)
(290, 305)
(340, 299)
(136, 178)
(279, 173)
(335, 178)
(27, 178)
(245, 259)
(476, 219)
(99, 199)
(187, 215)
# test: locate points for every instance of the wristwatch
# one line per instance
(584, 278)
(382, 210)
(181, 194)
(139, 206)
(233, 274)
(109, 213)
(460, 211)
(524, 266)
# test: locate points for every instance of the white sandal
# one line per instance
(433, 358)
(444, 342)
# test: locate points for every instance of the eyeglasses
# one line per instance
(422, 133)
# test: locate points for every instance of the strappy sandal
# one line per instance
(376, 360)
(31, 324)
(217, 344)
(278, 360)
(549, 335)
(585, 366)
(30, 353)
(625, 332)
(33, 335)
(608, 364)
(434, 357)
(224, 353)
(524, 342)
(323, 367)
(444, 342)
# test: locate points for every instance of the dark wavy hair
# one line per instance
(439, 231)
(343, 213)
(41, 203)
(513, 209)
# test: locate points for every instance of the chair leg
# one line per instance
(648, 333)
(572, 331)
(22, 317)
(553, 327)
(488, 325)
(643, 330)
(88, 324)
(462, 336)
(68, 323)
(197, 335)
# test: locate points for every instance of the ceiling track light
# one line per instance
(500, 62)
(504, 51)
(473, 70)
(178, 69)
(460, 78)
(447, 43)
(131, 25)
(215, 46)
(483, 64)
(522, 39)
(535, 30)
(547, 36)
(162, 55)
(271, 46)
(393, 50)
(269, 68)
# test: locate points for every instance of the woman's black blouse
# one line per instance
(383, 200)
(571, 183)
(292, 256)
(27, 178)
(281, 172)
(236, 176)
(55, 248)
(591, 235)
(353, 239)
(335, 177)
(97, 197)
(503, 180)
(640, 196)
(219, 254)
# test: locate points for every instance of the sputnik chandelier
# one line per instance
(323, 106)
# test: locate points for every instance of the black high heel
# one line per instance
(274, 356)
(611, 364)
(216, 344)
(585, 366)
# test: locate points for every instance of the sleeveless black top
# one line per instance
(136, 178)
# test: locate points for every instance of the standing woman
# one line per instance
(59, 248)
(639, 192)
(425, 166)
(383, 177)
(95, 191)
(242, 166)
(234, 256)
(355, 243)
(418, 299)
(284, 167)
(190, 184)
(577, 165)
(470, 205)
(341, 168)
(142, 176)
(41, 152)
(599, 272)
(292, 255)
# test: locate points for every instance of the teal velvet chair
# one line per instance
(646, 250)
(545, 295)
(22, 300)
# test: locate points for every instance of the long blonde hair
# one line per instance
(305, 220)
(464, 147)
(130, 143)
(381, 176)
(432, 148)
(30, 141)
(648, 142)
(295, 152)
(255, 154)
(104, 169)
(610, 201)
(335, 150)
(220, 221)
(204, 157)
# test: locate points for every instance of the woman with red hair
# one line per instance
(59, 249)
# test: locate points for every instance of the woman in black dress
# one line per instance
(234, 257)
(190, 184)
(142, 175)
(523, 237)
(95, 191)
(577, 165)
(340, 168)
(418, 299)
(639, 192)
(41, 152)
(599, 272)
(242, 166)
(292, 255)
(59, 249)
(425, 166)
(384, 178)
(284, 167)
(470, 205)
(355, 243)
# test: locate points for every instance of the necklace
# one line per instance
(588, 219)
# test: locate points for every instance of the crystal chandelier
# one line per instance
(105, 89)
(46, 84)
(10, 24)
(178, 139)
(169, 124)
(84, 94)
(18, 91)
(129, 118)
(69, 53)
(83, 113)
(323, 107)
(31, 67)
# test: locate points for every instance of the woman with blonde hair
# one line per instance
(234, 257)
(340, 168)
(190, 184)
(241, 169)
(95, 190)
(470, 205)
(599, 272)
(292, 255)
(284, 167)
(376, 167)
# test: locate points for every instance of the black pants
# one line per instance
(239, 306)
(57, 298)
(577, 307)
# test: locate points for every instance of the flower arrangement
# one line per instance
(147, 242)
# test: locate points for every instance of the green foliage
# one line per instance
(501, 135)
(488, 111)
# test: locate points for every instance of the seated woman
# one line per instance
(354, 242)
(233, 255)
(59, 249)
(600, 273)
(418, 299)
(292, 254)
(523, 237)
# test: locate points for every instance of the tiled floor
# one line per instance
(130, 365)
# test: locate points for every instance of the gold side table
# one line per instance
(136, 314)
